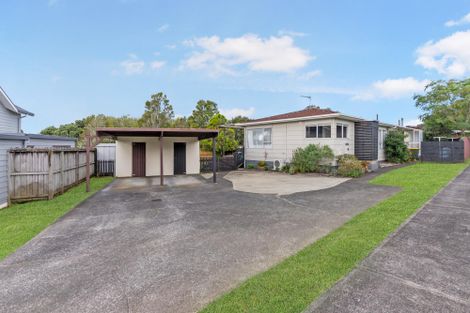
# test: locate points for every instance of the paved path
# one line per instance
(423, 267)
(141, 248)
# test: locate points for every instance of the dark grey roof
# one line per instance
(50, 137)
(9, 105)
(23, 111)
(13, 136)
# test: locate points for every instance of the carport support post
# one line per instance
(161, 160)
(214, 161)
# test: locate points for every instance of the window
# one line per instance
(341, 130)
(318, 131)
(259, 137)
(382, 135)
(311, 131)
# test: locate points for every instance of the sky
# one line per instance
(66, 59)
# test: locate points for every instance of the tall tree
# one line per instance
(202, 114)
(226, 141)
(158, 112)
(446, 107)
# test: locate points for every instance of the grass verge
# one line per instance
(296, 282)
(21, 222)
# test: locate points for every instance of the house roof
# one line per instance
(9, 105)
(309, 111)
(200, 133)
(50, 137)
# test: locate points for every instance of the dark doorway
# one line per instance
(138, 159)
(180, 158)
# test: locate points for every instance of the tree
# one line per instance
(180, 122)
(239, 133)
(78, 128)
(226, 141)
(202, 114)
(446, 107)
(158, 112)
(396, 150)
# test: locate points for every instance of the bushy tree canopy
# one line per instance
(202, 114)
(158, 112)
(446, 107)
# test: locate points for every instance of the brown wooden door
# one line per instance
(179, 158)
(138, 159)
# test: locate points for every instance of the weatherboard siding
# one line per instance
(41, 143)
(9, 121)
(287, 137)
(5, 145)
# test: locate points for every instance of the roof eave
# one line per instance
(299, 119)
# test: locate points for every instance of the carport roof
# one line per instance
(200, 133)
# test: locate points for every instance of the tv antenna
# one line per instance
(309, 99)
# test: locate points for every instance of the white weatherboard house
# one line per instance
(12, 136)
(144, 152)
(273, 139)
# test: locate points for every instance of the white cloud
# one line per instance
(449, 56)
(155, 65)
(223, 56)
(133, 65)
(171, 47)
(462, 21)
(309, 75)
(392, 89)
(231, 113)
(163, 28)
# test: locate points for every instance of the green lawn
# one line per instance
(21, 222)
(294, 283)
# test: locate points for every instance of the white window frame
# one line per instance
(343, 126)
(265, 144)
(316, 130)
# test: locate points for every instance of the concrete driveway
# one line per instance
(423, 267)
(280, 183)
(171, 249)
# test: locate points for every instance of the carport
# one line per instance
(159, 151)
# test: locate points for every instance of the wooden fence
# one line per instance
(43, 173)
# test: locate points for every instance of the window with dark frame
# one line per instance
(318, 131)
(311, 131)
(341, 130)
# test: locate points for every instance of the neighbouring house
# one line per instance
(155, 151)
(273, 139)
(12, 136)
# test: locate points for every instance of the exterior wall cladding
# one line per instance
(366, 140)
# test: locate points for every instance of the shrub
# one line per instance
(396, 150)
(285, 168)
(350, 166)
(307, 160)
(414, 154)
(250, 166)
(261, 164)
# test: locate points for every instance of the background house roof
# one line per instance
(9, 105)
(49, 137)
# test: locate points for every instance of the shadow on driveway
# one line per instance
(169, 249)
